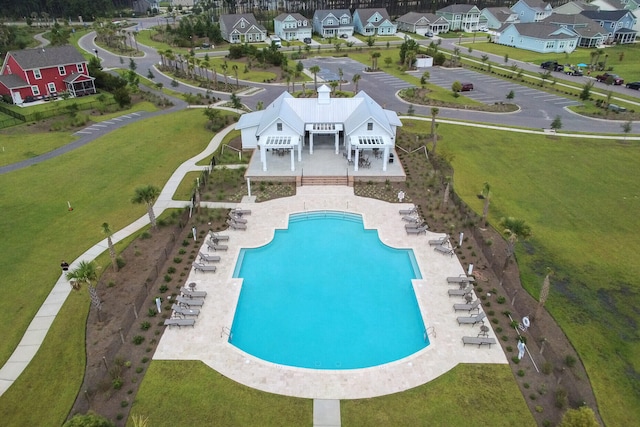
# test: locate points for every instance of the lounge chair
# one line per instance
(236, 226)
(208, 258)
(216, 236)
(467, 307)
(460, 292)
(197, 266)
(418, 230)
(444, 250)
(214, 247)
(240, 212)
(237, 219)
(439, 242)
(460, 279)
(408, 211)
(411, 218)
(182, 311)
(186, 292)
(480, 341)
(418, 224)
(190, 302)
(472, 320)
(180, 322)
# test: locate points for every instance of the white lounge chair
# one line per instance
(418, 224)
(201, 267)
(460, 279)
(408, 211)
(214, 247)
(208, 258)
(418, 230)
(460, 292)
(237, 219)
(444, 250)
(439, 242)
(186, 292)
(216, 236)
(235, 225)
(190, 302)
(411, 218)
(472, 320)
(180, 322)
(240, 212)
(480, 341)
(467, 307)
(182, 311)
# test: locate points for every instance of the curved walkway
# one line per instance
(39, 326)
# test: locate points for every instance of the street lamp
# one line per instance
(96, 52)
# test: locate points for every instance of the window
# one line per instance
(35, 90)
(80, 68)
(329, 21)
(241, 24)
(52, 87)
(370, 126)
(37, 74)
(279, 127)
(61, 70)
(345, 20)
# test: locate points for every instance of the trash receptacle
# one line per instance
(390, 157)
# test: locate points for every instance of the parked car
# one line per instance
(616, 108)
(466, 87)
(572, 70)
(549, 65)
(429, 34)
(206, 45)
(617, 80)
(634, 85)
(307, 40)
(344, 36)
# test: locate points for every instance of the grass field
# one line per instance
(38, 231)
(583, 215)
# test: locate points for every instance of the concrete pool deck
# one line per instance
(208, 340)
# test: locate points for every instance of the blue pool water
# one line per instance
(327, 294)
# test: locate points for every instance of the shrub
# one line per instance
(509, 348)
(117, 383)
(139, 369)
(547, 368)
(120, 262)
(532, 396)
(171, 270)
(167, 278)
(145, 235)
(164, 288)
(501, 299)
(570, 361)
(515, 360)
(145, 359)
(562, 398)
(152, 312)
(526, 385)
(521, 372)
(138, 339)
(124, 403)
(145, 326)
(539, 409)
(177, 260)
(182, 251)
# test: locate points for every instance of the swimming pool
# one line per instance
(327, 294)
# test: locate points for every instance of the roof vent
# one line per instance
(324, 95)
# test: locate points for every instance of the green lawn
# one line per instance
(18, 146)
(38, 231)
(583, 212)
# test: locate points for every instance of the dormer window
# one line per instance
(241, 24)
(37, 74)
(61, 70)
(370, 126)
(279, 127)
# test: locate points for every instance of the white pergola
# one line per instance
(324, 129)
(368, 142)
(280, 142)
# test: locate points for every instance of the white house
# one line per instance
(292, 26)
(357, 123)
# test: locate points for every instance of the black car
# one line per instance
(549, 65)
(466, 87)
(634, 85)
(307, 40)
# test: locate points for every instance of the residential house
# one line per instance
(618, 24)
(242, 28)
(532, 10)
(292, 26)
(31, 74)
(288, 123)
(422, 23)
(537, 37)
(332, 23)
(496, 17)
(575, 7)
(373, 22)
(616, 4)
(591, 34)
(146, 6)
(461, 17)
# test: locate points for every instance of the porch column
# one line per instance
(348, 147)
(355, 162)
(337, 142)
(300, 148)
(263, 158)
(293, 158)
(311, 143)
(385, 159)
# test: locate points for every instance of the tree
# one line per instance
(626, 128)
(85, 274)
(122, 97)
(59, 35)
(387, 61)
(235, 71)
(484, 59)
(315, 70)
(225, 67)
(106, 229)
(212, 114)
(586, 91)
(423, 79)
(486, 195)
(455, 58)
(511, 95)
(556, 124)
(356, 78)
(341, 75)
(544, 76)
(544, 293)
(150, 74)
(371, 41)
(456, 87)
(513, 229)
(147, 195)
(235, 101)
(506, 58)
(434, 135)
(581, 417)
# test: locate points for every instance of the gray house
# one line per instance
(618, 24)
(242, 28)
(373, 22)
(591, 34)
(422, 23)
(537, 37)
(496, 17)
(532, 10)
(332, 23)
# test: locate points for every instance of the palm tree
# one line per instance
(484, 59)
(215, 76)
(486, 194)
(341, 75)
(356, 78)
(315, 70)
(85, 274)
(234, 67)
(225, 67)
(106, 229)
(147, 195)
(434, 135)
(514, 229)
(205, 64)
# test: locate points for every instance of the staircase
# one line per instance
(326, 180)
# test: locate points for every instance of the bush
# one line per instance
(152, 312)
(120, 262)
(562, 398)
(521, 372)
(547, 368)
(501, 299)
(145, 326)
(117, 383)
(138, 339)
(570, 361)
(177, 260)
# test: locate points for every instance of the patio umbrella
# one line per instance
(582, 64)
